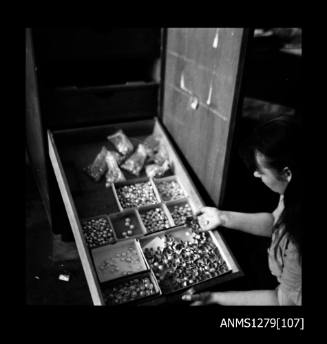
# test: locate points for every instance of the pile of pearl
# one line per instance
(98, 232)
(129, 291)
(170, 190)
(136, 195)
(180, 213)
(181, 263)
(154, 220)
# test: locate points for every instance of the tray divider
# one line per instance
(114, 191)
(143, 228)
(156, 192)
(167, 213)
(139, 248)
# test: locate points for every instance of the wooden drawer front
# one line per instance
(72, 150)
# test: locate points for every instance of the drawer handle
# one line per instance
(194, 102)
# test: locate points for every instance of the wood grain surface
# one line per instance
(202, 63)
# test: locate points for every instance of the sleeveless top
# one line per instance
(284, 262)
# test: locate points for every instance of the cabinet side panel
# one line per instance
(33, 124)
(202, 67)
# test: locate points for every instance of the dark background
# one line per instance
(89, 57)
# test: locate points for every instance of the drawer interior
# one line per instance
(77, 149)
(85, 198)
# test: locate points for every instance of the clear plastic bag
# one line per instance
(121, 142)
(161, 156)
(114, 173)
(151, 144)
(155, 170)
(135, 162)
(156, 152)
(98, 167)
(119, 158)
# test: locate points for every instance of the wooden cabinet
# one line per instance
(192, 109)
(35, 134)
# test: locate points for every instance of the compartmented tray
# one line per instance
(118, 260)
(169, 188)
(76, 147)
(135, 193)
(127, 224)
(184, 258)
(131, 290)
(155, 218)
(98, 231)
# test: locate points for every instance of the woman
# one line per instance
(274, 153)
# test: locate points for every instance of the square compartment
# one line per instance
(169, 188)
(118, 260)
(98, 231)
(128, 222)
(150, 215)
(180, 210)
(184, 258)
(131, 289)
(132, 193)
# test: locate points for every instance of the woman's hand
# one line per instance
(210, 218)
(200, 299)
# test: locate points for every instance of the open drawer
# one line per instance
(72, 150)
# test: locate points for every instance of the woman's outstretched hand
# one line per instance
(200, 299)
(210, 218)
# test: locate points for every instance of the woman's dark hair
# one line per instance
(280, 141)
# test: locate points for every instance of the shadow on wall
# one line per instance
(258, 110)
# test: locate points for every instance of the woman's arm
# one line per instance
(246, 298)
(236, 298)
(255, 223)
